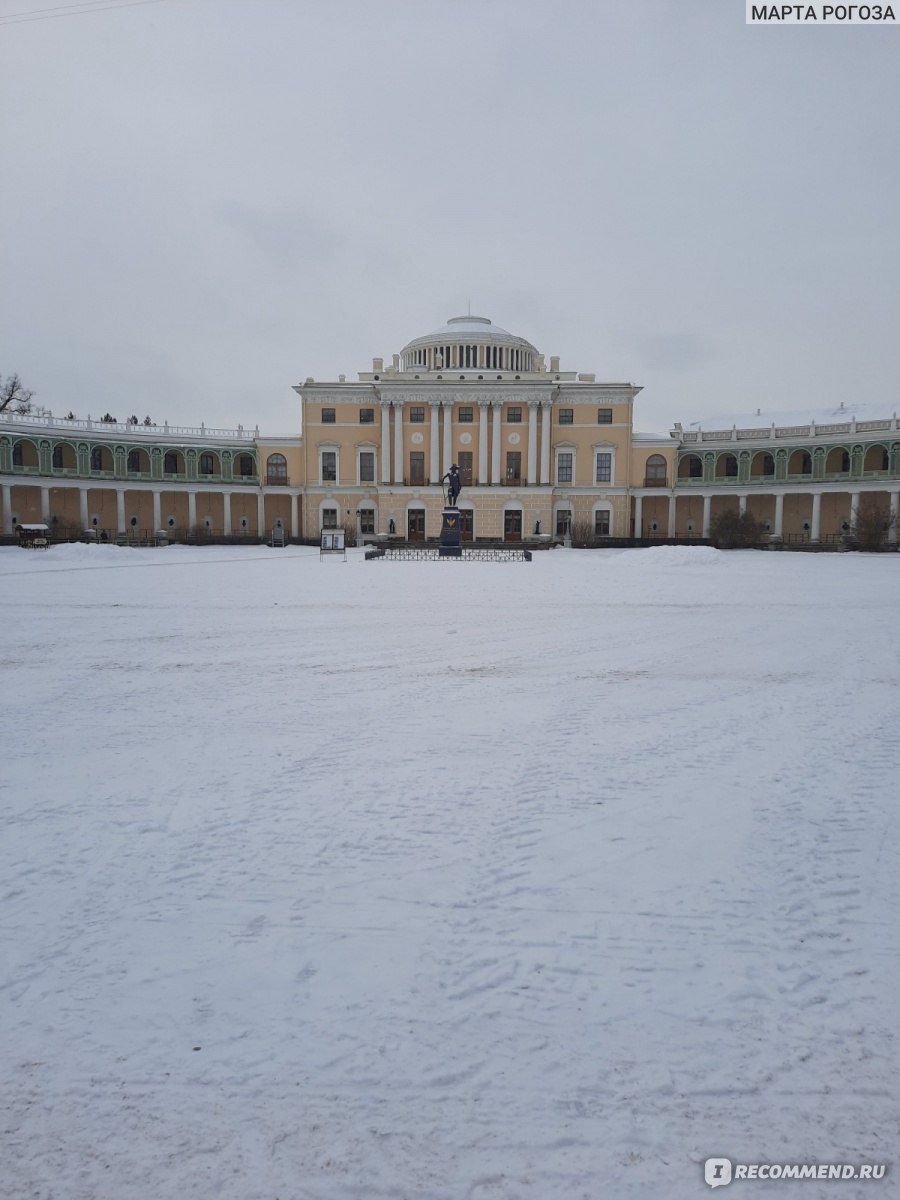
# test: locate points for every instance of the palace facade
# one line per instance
(542, 452)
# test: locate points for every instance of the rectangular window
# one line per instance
(513, 466)
(417, 466)
(329, 518)
(564, 468)
(563, 522)
(367, 416)
(416, 416)
(465, 416)
(604, 468)
(464, 462)
(601, 524)
(170, 464)
(514, 416)
(206, 464)
(604, 416)
(566, 416)
(328, 416)
(367, 466)
(329, 466)
(245, 466)
(367, 520)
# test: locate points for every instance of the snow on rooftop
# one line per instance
(764, 418)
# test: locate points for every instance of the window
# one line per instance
(513, 466)
(514, 416)
(367, 416)
(367, 520)
(329, 466)
(329, 518)
(466, 527)
(656, 469)
(695, 467)
(563, 522)
(604, 416)
(208, 463)
(276, 468)
(18, 460)
(601, 524)
(417, 467)
(416, 415)
(170, 463)
(96, 458)
(367, 466)
(466, 416)
(57, 456)
(134, 462)
(464, 462)
(564, 467)
(328, 416)
(566, 416)
(604, 467)
(731, 466)
(245, 466)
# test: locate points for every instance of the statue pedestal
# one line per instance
(450, 541)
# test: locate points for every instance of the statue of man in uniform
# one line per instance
(454, 485)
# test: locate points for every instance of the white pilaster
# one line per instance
(120, 510)
(854, 507)
(815, 533)
(545, 443)
(779, 515)
(295, 515)
(434, 465)
(638, 516)
(707, 515)
(226, 513)
(532, 442)
(192, 509)
(45, 504)
(260, 514)
(7, 509)
(482, 442)
(496, 476)
(398, 441)
(448, 436)
(895, 516)
(742, 503)
(670, 532)
(385, 443)
(157, 515)
(82, 507)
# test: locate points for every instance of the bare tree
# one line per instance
(731, 530)
(870, 526)
(15, 396)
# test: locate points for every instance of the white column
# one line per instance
(120, 510)
(260, 514)
(398, 441)
(192, 509)
(295, 515)
(45, 504)
(742, 503)
(434, 464)
(638, 516)
(545, 443)
(385, 443)
(892, 528)
(854, 507)
(532, 443)
(779, 515)
(707, 515)
(482, 442)
(82, 507)
(157, 515)
(7, 509)
(671, 527)
(448, 436)
(496, 476)
(226, 511)
(815, 532)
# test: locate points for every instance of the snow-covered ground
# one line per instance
(446, 881)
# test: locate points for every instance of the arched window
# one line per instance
(656, 471)
(276, 469)
(134, 461)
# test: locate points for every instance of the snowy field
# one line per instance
(431, 881)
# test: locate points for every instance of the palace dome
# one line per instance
(469, 343)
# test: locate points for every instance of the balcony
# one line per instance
(282, 481)
(652, 483)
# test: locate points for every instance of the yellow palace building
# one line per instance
(543, 453)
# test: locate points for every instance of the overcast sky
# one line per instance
(204, 202)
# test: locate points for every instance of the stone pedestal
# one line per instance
(450, 541)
